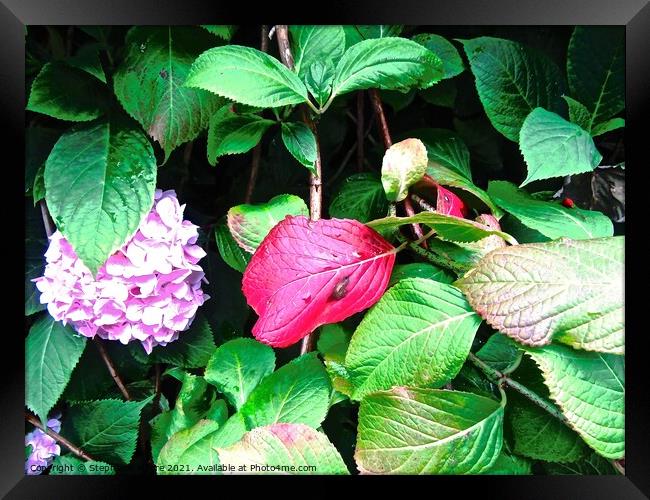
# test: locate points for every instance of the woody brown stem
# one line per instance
(57, 437)
(111, 369)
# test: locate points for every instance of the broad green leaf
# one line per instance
(452, 64)
(386, 63)
(420, 270)
(231, 133)
(596, 70)
(589, 388)
(447, 226)
(554, 147)
(230, 251)
(246, 75)
(180, 455)
(404, 164)
(316, 44)
(428, 431)
(500, 353)
(225, 31)
(550, 218)
(67, 93)
(578, 113)
(333, 341)
(249, 224)
(565, 290)
(510, 465)
(296, 393)
(360, 197)
(51, 353)
(192, 403)
(73, 466)
(99, 183)
(442, 94)
(318, 78)
(418, 334)
(107, 429)
(608, 126)
(397, 99)
(522, 233)
(237, 367)
(592, 465)
(512, 80)
(149, 83)
(449, 162)
(284, 449)
(192, 349)
(218, 411)
(87, 59)
(300, 141)
(539, 435)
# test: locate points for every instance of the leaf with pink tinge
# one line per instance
(309, 273)
(450, 204)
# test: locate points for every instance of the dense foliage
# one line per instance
(331, 250)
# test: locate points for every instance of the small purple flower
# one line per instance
(43, 448)
(148, 290)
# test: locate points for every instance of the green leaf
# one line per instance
(73, 466)
(442, 94)
(522, 233)
(356, 33)
(218, 411)
(87, 59)
(510, 465)
(232, 133)
(318, 79)
(500, 353)
(386, 63)
(237, 367)
(192, 349)
(360, 197)
(316, 44)
(99, 182)
(300, 141)
(608, 126)
(418, 334)
(246, 75)
(397, 99)
(249, 224)
(284, 448)
(230, 251)
(512, 80)
(554, 147)
(225, 31)
(149, 83)
(452, 64)
(447, 226)
(428, 431)
(67, 93)
(592, 465)
(578, 113)
(107, 429)
(51, 353)
(181, 455)
(420, 270)
(333, 342)
(571, 291)
(549, 218)
(296, 393)
(449, 162)
(38, 144)
(596, 70)
(404, 164)
(589, 388)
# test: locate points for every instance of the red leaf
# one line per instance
(309, 273)
(450, 204)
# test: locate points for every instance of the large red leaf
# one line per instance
(450, 204)
(308, 273)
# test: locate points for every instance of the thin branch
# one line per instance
(257, 150)
(111, 369)
(423, 204)
(435, 258)
(410, 212)
(315, 181)
(47, 221)
(379, 111)
(58, 437)
(360, 134)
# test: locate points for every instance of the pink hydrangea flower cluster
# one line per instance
(149, 290)
(44, 448)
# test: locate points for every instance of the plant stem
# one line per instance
(257, 150)
(57, 437)
(434, 258)
(47, 221)
(315, 181)
(410, 212)
(503, 380)
(157, 387)
(423, 204)
(111, 369)
(360, 134)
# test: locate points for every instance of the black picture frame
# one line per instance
(633, 14)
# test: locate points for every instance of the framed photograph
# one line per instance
(386, 241)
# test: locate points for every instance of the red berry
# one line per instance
(568, 202)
